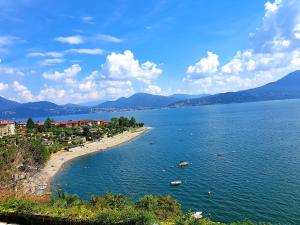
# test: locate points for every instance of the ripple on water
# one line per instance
(248, 155)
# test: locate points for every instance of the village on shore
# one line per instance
(26, 147)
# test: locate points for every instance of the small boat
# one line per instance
(175, 182)
(183, 163)
(197, 215)
(209, 193)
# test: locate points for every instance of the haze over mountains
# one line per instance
(286, 88)
(144, 100)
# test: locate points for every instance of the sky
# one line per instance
(88, 51)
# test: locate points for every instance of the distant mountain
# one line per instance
(143, 100)
(10, 109)
(139, 100)
(286, 88)
(186, 96)
(6, 104)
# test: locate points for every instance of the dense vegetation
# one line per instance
(31, 147)
(109, 209)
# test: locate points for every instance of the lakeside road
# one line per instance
(37, 183)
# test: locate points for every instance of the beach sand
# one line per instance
(37, 184)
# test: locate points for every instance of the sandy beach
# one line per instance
(37, 184)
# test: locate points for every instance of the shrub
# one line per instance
(164, 207)
(125, 217)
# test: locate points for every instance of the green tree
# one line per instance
(49, 123)
(132, 122)
(30, 124)
(86, 132)
(164, 207)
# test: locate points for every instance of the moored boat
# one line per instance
(183, 164)
(175, 182)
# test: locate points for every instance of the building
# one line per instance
(65, 124)
(7, 128)
(20, 125)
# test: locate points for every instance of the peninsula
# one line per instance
(33, 152)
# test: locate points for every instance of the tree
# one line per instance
(48, 123)
(86, 132)
(30, 124)
(132, 122)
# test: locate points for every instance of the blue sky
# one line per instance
(99, 50)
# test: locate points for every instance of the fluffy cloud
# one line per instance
(68, 74)
(3, 87)
(46, 54)
(115, 79)
(72, 40)
(153, 89)
(274, 52)
(88, 51)
(8, 40)
(205, 66)
(124, 66)
(50, 62)
(87, 19)
(23, 92)
(80, 39)
(108, 38)
(10, 71)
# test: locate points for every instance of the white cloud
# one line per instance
(68, 74)
(49, 62)
(233, 67)
(153, 89)
(23, 92)
(274, 52)
(10, 71)
(8, 40)
(108, 38)
(46, 54)
(88, 51)
(3, 87)
(51, 94)
(271, 8)
(205, 66)
(58, 55)
(125, 66)
(72, 40)
(115, 79)
(297, 31)
(87, 19)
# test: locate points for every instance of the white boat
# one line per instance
(197, 215)
(183, 163)
(175, 182)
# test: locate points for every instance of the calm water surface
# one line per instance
(248, 155)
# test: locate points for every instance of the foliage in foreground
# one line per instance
(108, 209)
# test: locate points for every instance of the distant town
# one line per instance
(25, 147)
(8, 128)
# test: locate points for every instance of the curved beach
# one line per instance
(37, 183)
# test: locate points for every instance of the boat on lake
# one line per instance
(176, 183)
(183, 164)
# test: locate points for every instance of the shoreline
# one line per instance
(41, 181)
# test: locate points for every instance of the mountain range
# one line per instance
(286, 88)
(144, 100)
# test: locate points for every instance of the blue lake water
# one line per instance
(248, 155)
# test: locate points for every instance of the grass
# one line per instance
(108, 209)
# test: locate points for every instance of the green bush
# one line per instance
(125, 217)
(164, 207)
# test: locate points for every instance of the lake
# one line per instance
(247, 155)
